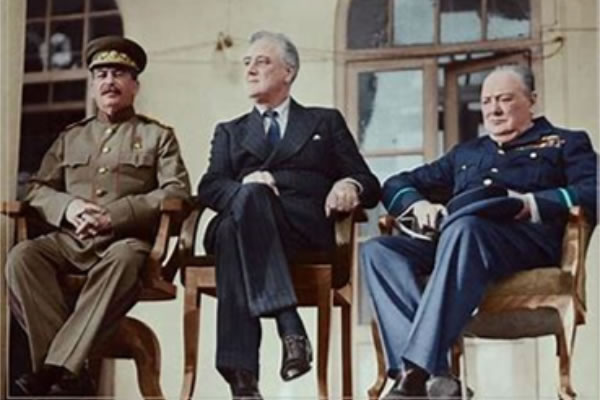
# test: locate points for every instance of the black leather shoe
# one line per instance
(446, 388)
(38, 383)
(73, 385)
(243, 384)
(296, 356)
(411, 385)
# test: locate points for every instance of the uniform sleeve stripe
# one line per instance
(566, 197)
(398, 194)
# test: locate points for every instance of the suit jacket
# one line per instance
(127, 167)
(316, 150)
(558, 166)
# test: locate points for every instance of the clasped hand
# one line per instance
(343, 197)
(88, 218)
(428, 214)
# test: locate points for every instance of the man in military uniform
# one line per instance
(545, 169)
(100, 184)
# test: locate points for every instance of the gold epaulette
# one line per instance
(153, 121)
(80, 122)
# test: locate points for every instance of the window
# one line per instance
(396, 23)
(55, 82)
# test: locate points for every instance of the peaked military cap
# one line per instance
(115, 50)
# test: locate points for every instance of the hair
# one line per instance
(524, 73)
(289, 52)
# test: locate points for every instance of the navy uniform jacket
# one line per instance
(557, 165)
(316, 150)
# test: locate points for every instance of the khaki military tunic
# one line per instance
(126, 167)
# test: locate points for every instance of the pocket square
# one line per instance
(316, 136)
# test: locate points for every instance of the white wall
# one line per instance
(12, 41)
(571, 100)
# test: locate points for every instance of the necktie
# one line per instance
(274, 132)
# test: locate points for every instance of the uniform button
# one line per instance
(105, 149)
(108, 131)
(487, 182)
(494, 170)
(137, 145)
(102, 170)
(463, 167)
(100, 192)
(500, 151)
(533, 155)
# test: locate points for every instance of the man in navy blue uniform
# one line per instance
(276, 177)
(548, 169)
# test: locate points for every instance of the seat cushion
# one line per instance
(537, 281)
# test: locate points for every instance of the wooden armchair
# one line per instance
(532, 303)
(132, 339)
(321, 279)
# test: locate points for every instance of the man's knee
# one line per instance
(253, 192)
(123, 258)
(20, 261)
(470, 225)
(373, 254)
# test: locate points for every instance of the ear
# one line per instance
(137, 87)
(290, 75)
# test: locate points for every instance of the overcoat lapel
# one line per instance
(300, 128)
(255, 141)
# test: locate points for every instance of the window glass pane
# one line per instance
(69, 91)
(461, 21)
(367, 24)
(470, 121)
(35, 93)
(60, 7)
(508, 19)
(35, 48)
(36, 8)
(413, 21)
(103, 26)
(65, 44)
(38, 131)
(390, 110)
(103, 5)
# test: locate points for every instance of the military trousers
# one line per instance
(423, 294)
(61, 332)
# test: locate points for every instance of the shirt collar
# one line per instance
(282, 109)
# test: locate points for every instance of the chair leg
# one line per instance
(325, 303)
(565, 342)
(456, 353)
(191, 333)
(145, 350)
(375, 391)
(347, 350)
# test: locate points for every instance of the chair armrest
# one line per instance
(344, 239)
(172, 213)
(574, 248)
(386, 224)
(189, 230)
(17, 210)
(12, 208)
